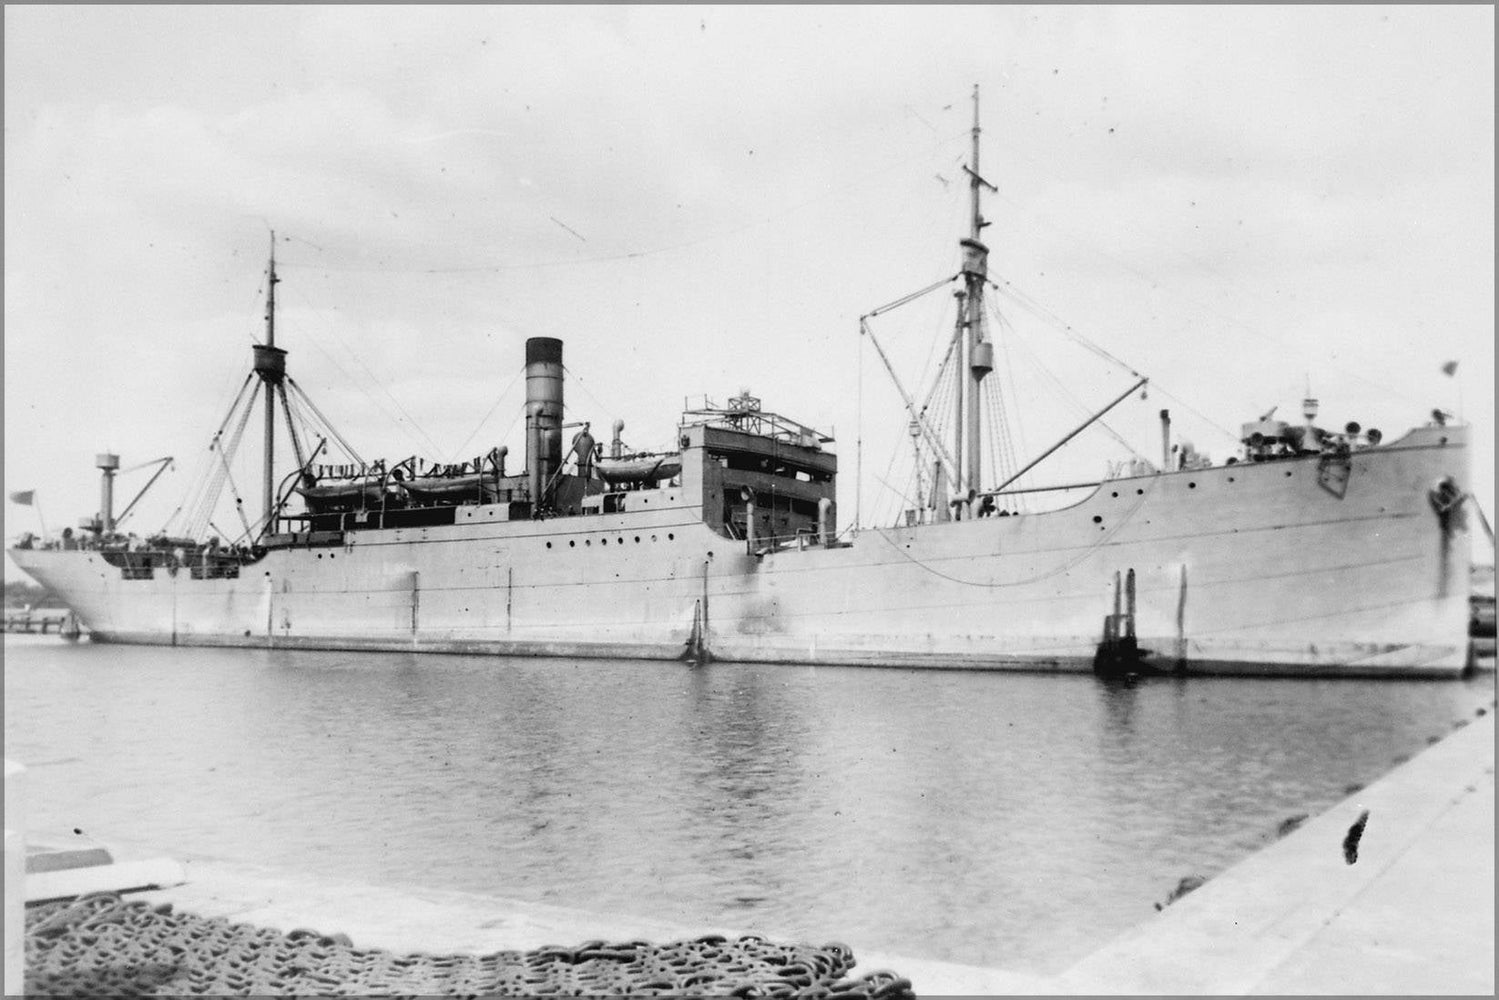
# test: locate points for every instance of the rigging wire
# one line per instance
(1041, 312)
(586, 391)
(889, 470)
(205, 466)
(209, 472)
(226, 455)
(941, 380)
(298, 413)
(485, 419)
(936, 411)
(1007, 461)
(210, 498)
(903, 495)
(1062, 389)
(291, 426)
(996, 461)
(430, 446)
(311, 426)
(1196, 412)
(921, 414)
(1297, 347)
(1009, 376)
(327, 425)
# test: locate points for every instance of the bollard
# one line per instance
(15, 882)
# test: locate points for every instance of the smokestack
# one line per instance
(543, 411)
(107, 463)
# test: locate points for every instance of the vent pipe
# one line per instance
(108, 464)
(1165, 440)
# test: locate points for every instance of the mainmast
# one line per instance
(270, 365)
(977, 351)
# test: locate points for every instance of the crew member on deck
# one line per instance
(584, 447)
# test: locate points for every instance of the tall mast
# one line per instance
(960, 390)
(979, 352)
(976, 179)
(270, 365)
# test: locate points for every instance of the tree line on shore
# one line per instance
(20, 593)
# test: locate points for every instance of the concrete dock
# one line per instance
(1412, 914)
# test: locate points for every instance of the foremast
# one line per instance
(270, 366)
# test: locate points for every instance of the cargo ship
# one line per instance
(1312, 552)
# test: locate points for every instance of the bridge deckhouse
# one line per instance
(760, 476)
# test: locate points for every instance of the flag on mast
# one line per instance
(1450, 368)
(24, 497)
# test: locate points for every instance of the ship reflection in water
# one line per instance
(1004, 819)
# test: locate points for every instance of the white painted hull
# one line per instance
(1242, 568)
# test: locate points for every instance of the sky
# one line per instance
(1240, 203)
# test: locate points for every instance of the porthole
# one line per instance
(1115, 494)
(1288, 473)
(1097, 519)
(603, 541)
(653, 538)
(549, 544)
(571, 544)
(637, 539)
(1191, 486)
(670, 537)
(587, 542)
(619, 541)
(1139, 493)
(1230, 478)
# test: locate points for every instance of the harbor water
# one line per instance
(999, 819)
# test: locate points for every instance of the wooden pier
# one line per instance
(41, 622)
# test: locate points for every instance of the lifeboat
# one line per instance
(453, 489)
(639, 468)
(345, 493)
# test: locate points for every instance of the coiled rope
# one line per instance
(101, 945)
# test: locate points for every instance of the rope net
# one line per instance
(101, 945)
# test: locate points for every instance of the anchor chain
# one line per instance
(102, 945)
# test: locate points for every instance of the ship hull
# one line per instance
(1311, 567)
